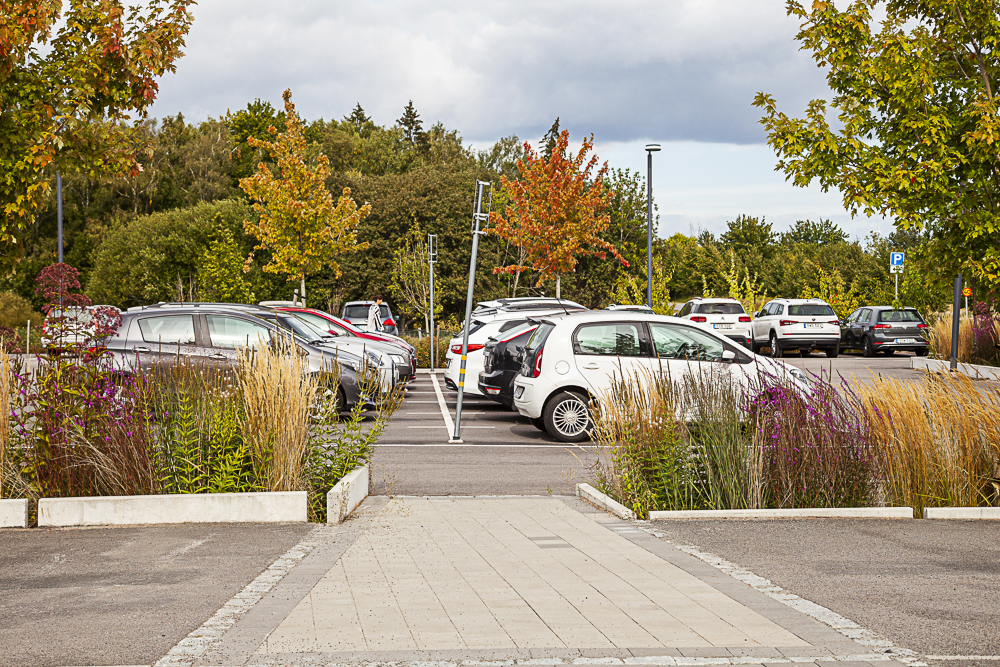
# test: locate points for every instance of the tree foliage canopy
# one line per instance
(68, 82)
(917, 129)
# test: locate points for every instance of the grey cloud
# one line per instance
(628, 70)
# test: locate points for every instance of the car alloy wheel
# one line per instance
(567, 417)
(867, 348)
(775, 348)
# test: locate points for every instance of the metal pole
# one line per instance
(59, 214)
(956, 304)
(897, 285)
(477, 217)
(431, 254)
(649, 229)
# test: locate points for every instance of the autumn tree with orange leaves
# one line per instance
(556, 212)
(72, 74)
(299, 222)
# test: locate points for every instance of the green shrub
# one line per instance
(16, 311)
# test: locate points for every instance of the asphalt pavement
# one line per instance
(122, 596)
(501, 453)
(928, 585)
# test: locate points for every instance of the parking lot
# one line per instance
(502, 453)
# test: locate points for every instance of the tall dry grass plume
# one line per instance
(939, 440)
(277, 396)
(939, 337)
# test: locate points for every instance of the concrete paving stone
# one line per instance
(647, 652)
(715, 652)
(755, 652)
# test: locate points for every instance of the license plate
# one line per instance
(906, 340)
(518, 392)
(817, 325)
(723, 326)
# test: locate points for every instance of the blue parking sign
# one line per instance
(896, 259)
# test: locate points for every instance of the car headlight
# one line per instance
(398, 358)
(374, 358)
(799, 375)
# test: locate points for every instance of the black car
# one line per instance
(502, 362)
(884, 329)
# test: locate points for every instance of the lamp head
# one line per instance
(652, 148)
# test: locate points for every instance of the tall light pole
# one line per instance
(650, 149)
(59, 216)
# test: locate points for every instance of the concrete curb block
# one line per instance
(962, 513)
(14, 513)
(587, 492)
(259, 507)
(346, 495)
(974, 371)
(796, 513)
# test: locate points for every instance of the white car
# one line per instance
(572, 359)
(723, 315)
(797, 324)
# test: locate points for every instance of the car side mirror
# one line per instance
(728, 355)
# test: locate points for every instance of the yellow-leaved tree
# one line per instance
(299, 222)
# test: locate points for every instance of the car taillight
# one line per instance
(699, 318)
(388, 323)
(457, 349)
(881, 326)
(744, 318)
(922, 326)
(837, 322)
(786, 323)
(538, 364)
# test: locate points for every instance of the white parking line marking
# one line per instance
(431, 444)
(448, 423)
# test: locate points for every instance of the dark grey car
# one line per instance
(883, 329)
(213, 336)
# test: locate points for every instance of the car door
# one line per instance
(848, 331)
(604, 351)
(762, 324)
(162, 339)
(230, 335)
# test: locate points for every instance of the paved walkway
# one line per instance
(529, 579)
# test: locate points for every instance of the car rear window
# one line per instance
(355, 312)
(721, 309)
(899, 316)
(810, 309)
(538, 338)
(507, 326)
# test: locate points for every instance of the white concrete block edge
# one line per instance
(260, 507)
(796, 513)
(14, 513)
(974, 371)
(968, 513)
(604, 501)
(347, 494)
(192, 647)
(883, 647)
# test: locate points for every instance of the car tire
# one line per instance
(754, 347)
(833, 352)
(341, 404)
(538, 423)
(805, 353)
(567, 417)
(867, 348)
(776, 352)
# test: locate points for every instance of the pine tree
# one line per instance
(359, 120)
(550, 140)
(413, 129)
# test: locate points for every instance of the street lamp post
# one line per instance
(650, 149)
(59, 214)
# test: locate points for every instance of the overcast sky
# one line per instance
(678, 72)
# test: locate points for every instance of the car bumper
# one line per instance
(895, 343)
(809, 342)
(525, 393)
(491, 386)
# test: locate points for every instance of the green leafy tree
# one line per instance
(748, 235)
(411, 278)
(824, 232)
(413, 128)
(917, 122)
(220, 272)
(69, 81)
(299, 222)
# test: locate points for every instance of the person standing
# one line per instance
(375, 315)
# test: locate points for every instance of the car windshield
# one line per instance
(810, 309)
(303, 329)
(360, 311)
(899, 316)
(720, 309)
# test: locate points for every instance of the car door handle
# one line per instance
(218, 356)
(140, 348)
(591, 366)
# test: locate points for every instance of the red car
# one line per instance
(327, 322)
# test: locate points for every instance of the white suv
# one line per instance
(723, 315)
(797, 324)
(572, 359)
(491, 321)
